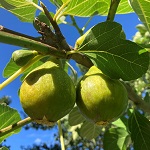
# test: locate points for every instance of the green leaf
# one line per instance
(115, 138)
(4, 148)
(119, 123)
(89, 130)
(86, 8)
(139, 128)
(11, 68)
(124, 7)
(116, 57)
(8, 116)
(75, 117)
(23, 9)
(57, 3)
(141, 8)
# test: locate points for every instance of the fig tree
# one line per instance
(47, 93)
(100, 98)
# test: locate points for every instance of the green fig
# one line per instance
(100, 99)
(21, 57)
(47, 94)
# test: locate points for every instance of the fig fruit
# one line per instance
(47, 94)
(21, 57)
(100, 99)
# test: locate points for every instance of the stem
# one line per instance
(137, 100)
(20, 71)
(80, 31)
(112, 10)
(60, 10)
(61, 135)
(15, 126)
(37, 6)
(86, 24)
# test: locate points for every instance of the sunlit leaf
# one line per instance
(90, 130)
(115, 138)
(116, 57)
(8, 116)
(141, 8)
(86, 7)
(23, 9)
(139, 128)
(75, 117)
(124, 7)
(90, 7)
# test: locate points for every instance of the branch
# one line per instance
(112, 10)
(139, 102)
(14, 38)
(15, 126)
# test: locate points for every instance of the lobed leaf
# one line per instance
(116, 57)
(89, 130)
(115, 138)
(8, 116)
(139, 128)
(23, 9)
(141, 8)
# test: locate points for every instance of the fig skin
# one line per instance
(100, 99)
(47, 94)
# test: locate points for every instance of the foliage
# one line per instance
(104, 46)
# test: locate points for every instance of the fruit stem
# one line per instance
(15, 126)
(61, 135)
(20, 71)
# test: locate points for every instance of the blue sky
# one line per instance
(8, 20)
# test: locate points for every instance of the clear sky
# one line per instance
(8, 20)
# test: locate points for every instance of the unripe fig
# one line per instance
(21, 57)
(99, 98)
(47, 94)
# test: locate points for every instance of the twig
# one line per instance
(112, 10)
(15, 126)
(136, 99)
(59, 36)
